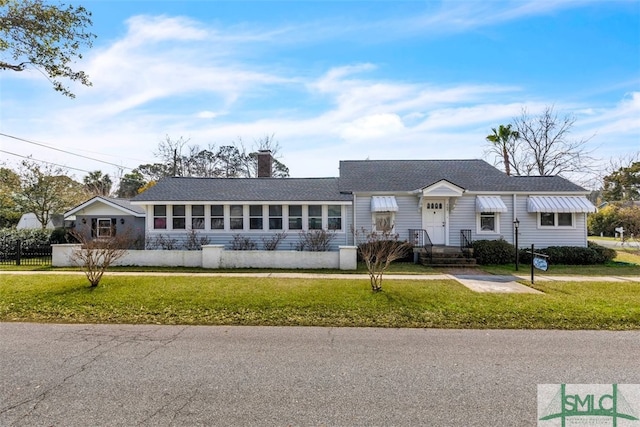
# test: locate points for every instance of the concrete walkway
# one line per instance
(476, 282)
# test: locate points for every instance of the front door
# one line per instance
(434, 220)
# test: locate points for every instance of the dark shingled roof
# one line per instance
(179, 189)
(355, 176)
(126, 204)
(409, 175)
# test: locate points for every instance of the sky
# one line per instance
(331, 80)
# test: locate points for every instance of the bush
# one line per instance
(59, 235)
(315, 241)
(242, 243)
(605, 254)
(488, 252)
(31, 238)
(573, 255)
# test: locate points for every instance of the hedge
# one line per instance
(495, 252)
(573, 255)
(488, 252)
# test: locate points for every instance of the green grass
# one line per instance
(398, 267)
(320, 302)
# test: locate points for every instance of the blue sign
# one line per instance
(540, 263)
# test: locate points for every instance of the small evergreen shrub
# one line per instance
(573, 255)
(607, 254)
(488, 252)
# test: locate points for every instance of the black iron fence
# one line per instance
(18, 252)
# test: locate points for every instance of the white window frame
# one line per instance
(392, 220)
(225, 219)
(98, 228)
(325, 212)
(154, 217)
(496, 216)
(175, 217)
(202, 217)
(556, 221)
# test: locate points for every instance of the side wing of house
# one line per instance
(188, 225)
(101, 217)
(185, 213)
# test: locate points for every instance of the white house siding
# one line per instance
(180, 238)
(529, 233)
(407, 217)
(464, 217)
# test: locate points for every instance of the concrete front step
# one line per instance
(449, 256)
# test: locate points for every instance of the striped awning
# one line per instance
(490, 204)
(560, 204)
(384, 204)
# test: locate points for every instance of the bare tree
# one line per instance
(545, 146)
(378, 249)
(97, 255)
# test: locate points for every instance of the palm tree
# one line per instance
(501, 139)
(98, 184)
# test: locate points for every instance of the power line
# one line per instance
(64, 151)
(43, 161)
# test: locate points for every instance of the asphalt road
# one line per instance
(94, 375)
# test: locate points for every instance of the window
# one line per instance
(197, 217)
(255, 217)
(159, 217)
(487, 223)
(217, 217)
(106, 227)
(179, 217)
(547, 219)
(236, 220)
(315, 217)
(383, 221)
(334, 217)
(275, 217)
(295, 217)
(565, 220)
(551, 219)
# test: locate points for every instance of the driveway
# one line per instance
(121, 375)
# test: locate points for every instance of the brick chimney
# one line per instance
(265, 161)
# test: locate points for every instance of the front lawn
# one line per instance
(197, 300)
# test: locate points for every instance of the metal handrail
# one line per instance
(466, 242)
(420, 239)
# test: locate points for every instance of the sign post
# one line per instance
(538, 261)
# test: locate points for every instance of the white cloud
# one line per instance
(207, 115)
(374, 126)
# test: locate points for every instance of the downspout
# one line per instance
(515, 216)
(353, 213)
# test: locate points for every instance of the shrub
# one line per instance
(606, 254)
(31, 239)
(195, 242)
(315, 241)
(242, 243)
(161, 242)
(378, 250)
(489, 252)
(573, 255)
(271, 243)
(59, 235)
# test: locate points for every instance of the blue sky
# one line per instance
(333, 80)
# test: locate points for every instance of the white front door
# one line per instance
(434, 220)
